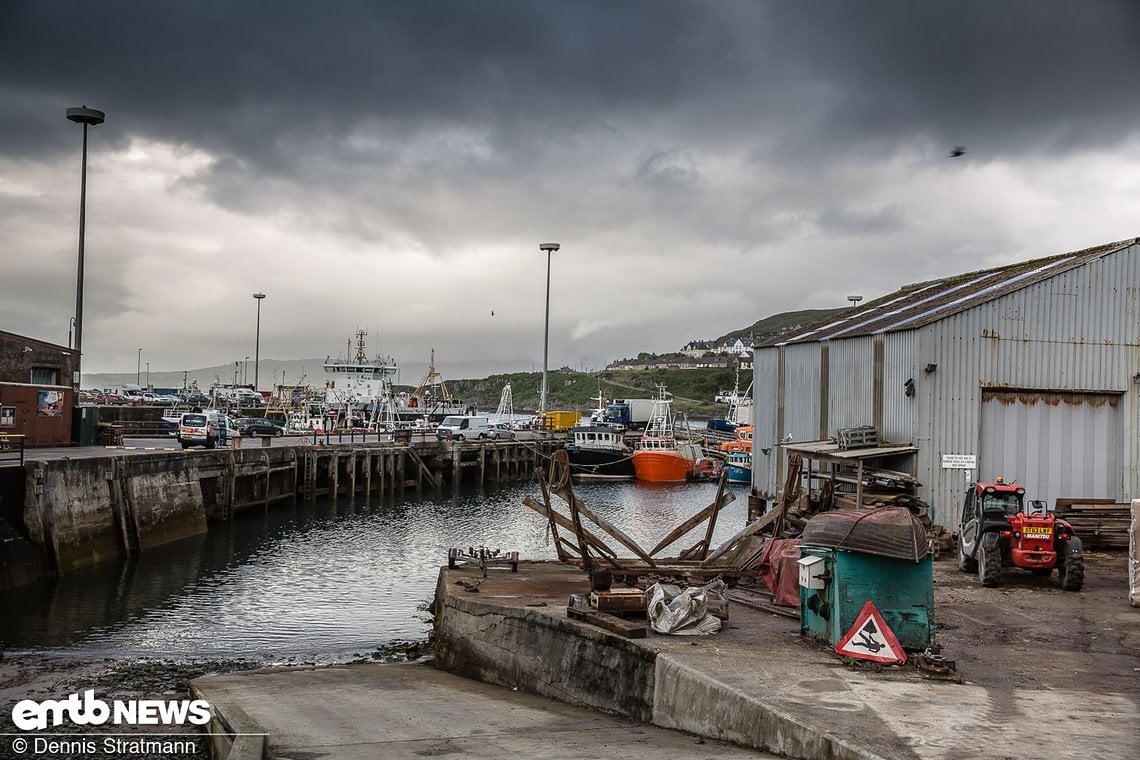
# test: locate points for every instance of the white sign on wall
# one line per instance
(959, 461)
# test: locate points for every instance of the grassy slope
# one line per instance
(693, 389)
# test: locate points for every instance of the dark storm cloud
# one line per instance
(264, 84)
(1001, 77)
(776, 141)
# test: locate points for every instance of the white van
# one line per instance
(198, 429)
(463, 426)
(208, 428)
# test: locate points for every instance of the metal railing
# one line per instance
(11, 449)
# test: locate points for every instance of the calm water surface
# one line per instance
(319, 582)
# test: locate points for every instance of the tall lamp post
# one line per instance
(87, 117)
(138, 370)
(549, 248)
(257, 340)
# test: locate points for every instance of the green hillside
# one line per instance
(770, 327)
(693, 389)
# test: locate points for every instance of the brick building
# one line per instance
(36, 392)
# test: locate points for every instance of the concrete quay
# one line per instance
(756, 684)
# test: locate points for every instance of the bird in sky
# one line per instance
(956, 151)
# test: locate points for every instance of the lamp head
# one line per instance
(548, 247)
(85, 115)
(259, 296)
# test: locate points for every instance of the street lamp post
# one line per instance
(549, 248)
(87, 117)
(148, 388)
(257, 339)
(138, 369)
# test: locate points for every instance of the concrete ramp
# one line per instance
(401, 711)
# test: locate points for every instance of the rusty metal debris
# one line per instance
(578, 541)
(932, 664)
(484, 558)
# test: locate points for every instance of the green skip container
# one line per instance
(850, 557)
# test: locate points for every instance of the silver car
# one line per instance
(500, 430)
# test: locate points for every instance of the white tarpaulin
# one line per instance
(1134, 555)
(682, 612)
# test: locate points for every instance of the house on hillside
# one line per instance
(1029, 371)
(698, 348)
(735, 347)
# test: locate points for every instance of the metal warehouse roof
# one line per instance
(923, 303)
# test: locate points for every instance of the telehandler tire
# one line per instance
(965, 564)
(989, 564)
(1073, 573)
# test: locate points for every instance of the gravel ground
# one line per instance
(38, 677)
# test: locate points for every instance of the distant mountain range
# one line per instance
(311, 371)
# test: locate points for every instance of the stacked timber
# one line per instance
(1100, 523)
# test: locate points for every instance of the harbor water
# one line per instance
(326, 582)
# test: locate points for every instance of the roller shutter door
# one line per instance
(1058, 445)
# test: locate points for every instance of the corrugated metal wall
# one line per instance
(1078, 331)
(801, 392)
(765, 406)
(851, 380)
(1075, 332)
(1059, 445)
(900, 366)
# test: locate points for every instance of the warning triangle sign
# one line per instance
(871, 639)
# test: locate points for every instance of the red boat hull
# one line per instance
(662, 466)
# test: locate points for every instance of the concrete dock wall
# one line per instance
(531, 650)
(514, 632)
(76, 512)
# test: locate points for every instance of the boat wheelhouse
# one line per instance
(599, 452)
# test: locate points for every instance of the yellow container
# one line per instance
(558, 421)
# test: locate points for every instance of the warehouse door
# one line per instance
(1058, 445)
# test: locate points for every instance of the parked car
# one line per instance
(249, 426)
(500, 430)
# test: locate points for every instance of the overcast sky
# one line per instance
(394, 166)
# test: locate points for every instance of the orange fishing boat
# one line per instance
(659, 457)
(742, 442)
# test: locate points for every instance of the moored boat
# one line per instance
(359, 393)
(599, 452)
(659, 456)
(742, 442)
(739, 464)
(739, 408)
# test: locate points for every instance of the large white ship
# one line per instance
(359, 393)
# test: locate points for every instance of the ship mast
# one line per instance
(433, 378)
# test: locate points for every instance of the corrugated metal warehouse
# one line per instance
(1030, 371)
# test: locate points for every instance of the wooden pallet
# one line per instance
(862, 437)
